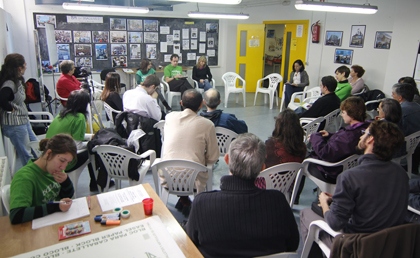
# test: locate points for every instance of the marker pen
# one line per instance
(111, 216)
(110, 222)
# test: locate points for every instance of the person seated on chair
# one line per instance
(404, 94)
(355, 79)
(297, 81)
(67, 81)
(226, 120)
(146, 69)
(285, 144)
(334, 147)
(201, 73)
(354, 207)
(142, 99)
(111, 92)
(190, 137)
(72, 121)
(173, 76)
(414, 200)
(242, 220)
(324, 105)
(40, 182)
(410, 80)
(343, 89)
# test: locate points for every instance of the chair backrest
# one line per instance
(281, 177)
(104, 72)
(230, 79)
(4, 169)
(331, 120)
(180, 175)
(160, 125)
(411, 142)
(110, 111)
(224, 138)
(274, 80)
(5, 197)
(58, 96)
(312, 127)
(312, 92)
(34, 145)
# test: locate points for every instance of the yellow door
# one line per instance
(295, 41)
(250, 53)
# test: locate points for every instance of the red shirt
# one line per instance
(65, 85)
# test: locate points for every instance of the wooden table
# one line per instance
(17, 239)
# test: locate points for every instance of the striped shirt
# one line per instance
(19, 115)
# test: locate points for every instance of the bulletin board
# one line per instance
(101, 42)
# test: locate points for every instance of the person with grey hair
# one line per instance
(67, 81)
(242, 220)
(226, 120)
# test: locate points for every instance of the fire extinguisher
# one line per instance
(315, 28)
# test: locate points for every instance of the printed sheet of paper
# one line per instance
(144, 238)
(121, 198)
(79, 208)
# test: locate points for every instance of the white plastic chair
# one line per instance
(180, 176)
(116, 160)
(5, 197)
(371, 114)
(331, 120)
(5, 178)
(212, 82)
(110, 111)
(170, 94)
(313, 236)
(160, 125)
(281, 177)
(306, 96)
(310, 127)
(410, 208)
(323, 186)
(230, 79)
(224, 138)
(274, 80)
(411, 142)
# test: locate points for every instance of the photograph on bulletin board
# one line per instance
(119, 61)
(343, 56)
(151, 37)
(135, 37)
(100, 36)
(81, 36)
(83, 62)
(135, 25)
(63, 36)
(101, 52)
(118, 49)
(151, 51)
(82, 50)
(63, 51)
(42, 19)
(117, 24)
(118, 37)
(151, 25)
(135, 51)
(212, 27)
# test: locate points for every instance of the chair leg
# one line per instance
(255, 98)
(271, 95)
(226, 98)
(265, 98)
(243, 93)
(165, 195)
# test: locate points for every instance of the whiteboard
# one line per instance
(52, 46)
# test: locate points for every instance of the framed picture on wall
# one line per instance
(343, 56)
(383, 39)
(357, 35)
(270, 33)
(333, 38)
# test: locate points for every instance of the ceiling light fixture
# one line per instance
(335, 7)
(211, 1)
(201, 15)
(104, 8)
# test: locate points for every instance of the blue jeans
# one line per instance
(205, 85)
(290, 89)
(20, 135)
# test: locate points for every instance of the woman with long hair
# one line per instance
(298, 79)
(13, 112)
(72, 121)
(286, 142)
(111, 92)
(42, 181)
(201, 73)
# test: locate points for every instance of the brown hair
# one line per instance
(355, 108)
(387, 139)
(359, 70)
(59, 144)
(112, 84)
(9, 69)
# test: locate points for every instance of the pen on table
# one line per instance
(58, 202)
(88, 201)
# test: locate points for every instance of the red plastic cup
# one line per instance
(148, 206)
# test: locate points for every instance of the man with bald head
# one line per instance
(226, 120)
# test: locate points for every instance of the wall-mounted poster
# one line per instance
(118, 37)
(333, 38)
(357, 35)
(136, 25)
(185, 44)
(101, 52)
(119, 61)
(41, 20)
(82, 50)
(117, 24)
(151, 37)
(100, 36)
(135, 51)
(212, 27)
(270, 33)
(210, 42)
(62, 36)
(151, 25)
(177, 35)
(83, 61)
(383, 39)
(151, 51)
(135, 37)
(81, 36)
(63, 51)
(343, 56)
(118, 49)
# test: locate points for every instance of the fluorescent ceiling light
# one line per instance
(211, 1)
(335, 7)
(104, 8)
(200, 15)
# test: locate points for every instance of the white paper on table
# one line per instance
(144, 238)
(121, 198)
(79, 208)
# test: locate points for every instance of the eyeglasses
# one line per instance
(365, 132)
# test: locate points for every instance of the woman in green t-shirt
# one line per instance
(40, 182)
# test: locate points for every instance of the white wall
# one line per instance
(383, 67)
